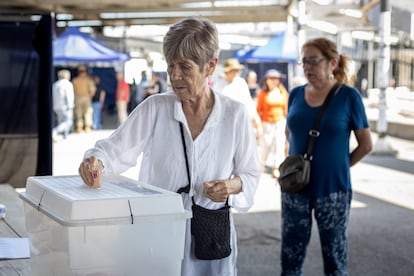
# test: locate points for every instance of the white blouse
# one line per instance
(226, 147)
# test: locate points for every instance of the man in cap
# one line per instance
(237, 89)
(84, 88)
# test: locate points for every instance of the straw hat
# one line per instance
(272, 73)
(232, 64)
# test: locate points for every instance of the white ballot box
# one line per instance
(124, 228)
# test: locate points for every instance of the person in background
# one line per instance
(272, 102)
(98, 103)
(162, 80)
(141, 88)
(361, 82)
(122, 97)
(237, 89)
(251, 80)
(133, 87)
(158, 85)
(63, 104)
(85, 88)
(328, 194)
(217, 131)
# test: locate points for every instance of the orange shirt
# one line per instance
(122, 91)
(272, 106)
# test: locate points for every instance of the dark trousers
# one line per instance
(331, 214)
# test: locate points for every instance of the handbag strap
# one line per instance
(314, 131)
(185, 189)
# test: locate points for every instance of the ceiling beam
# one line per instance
(248, 18)
(148, 16)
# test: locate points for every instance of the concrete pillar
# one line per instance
(382, 146)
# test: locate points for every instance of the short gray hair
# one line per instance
(193, 38)
(64, 74)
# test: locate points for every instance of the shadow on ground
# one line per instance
(380, 241)
(390, 163)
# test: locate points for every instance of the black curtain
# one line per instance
(43, 45)
(19, 75)
(25, 99)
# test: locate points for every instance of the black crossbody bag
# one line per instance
(295, 169)
(209, 228)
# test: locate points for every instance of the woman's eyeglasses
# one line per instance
(310, 61)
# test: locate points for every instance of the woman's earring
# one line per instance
(331, 76)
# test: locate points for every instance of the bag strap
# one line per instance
(314, 131)
(185, 189)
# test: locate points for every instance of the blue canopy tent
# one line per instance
(279, 53)
(244, 55)
(73, 46)
(280, 48)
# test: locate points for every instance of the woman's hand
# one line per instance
(90, 170)
(219, 190)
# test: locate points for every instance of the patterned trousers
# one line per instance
(331, 214)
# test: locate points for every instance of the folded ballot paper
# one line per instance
(14, 248)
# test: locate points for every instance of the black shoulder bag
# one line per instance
(295, 169)
(209, 228)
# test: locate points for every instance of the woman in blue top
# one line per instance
(329, 193)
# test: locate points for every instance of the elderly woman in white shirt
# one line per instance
(223, 161)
